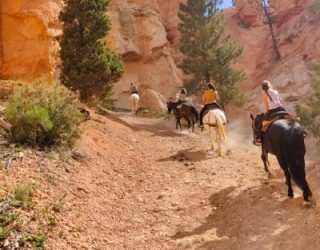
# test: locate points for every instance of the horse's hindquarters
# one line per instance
(134, 102)
(214, 122)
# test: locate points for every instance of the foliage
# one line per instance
(209, 52)
(314, 6)
(7, 224)
(18, 230)
(44, 116)
(37, 240)
(309, 112)
(88, 65)
(22, 195)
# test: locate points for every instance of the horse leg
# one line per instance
(287, 174)
(192, 124)
(132, 106)
(288, 181)
(135, 107)
(264, 158)
(189, 123)
(218, 140)
(211, 137)
(306, 191)
(179, 123)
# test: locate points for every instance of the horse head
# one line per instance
(256, 125)
(170, 105)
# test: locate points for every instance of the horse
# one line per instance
(134, 98)
(186, 111)
(284, 139)
(214, 121)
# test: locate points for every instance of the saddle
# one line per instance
(210, 107)
(275, 117)
(180, 103)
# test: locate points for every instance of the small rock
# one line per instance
(160, 196)
(186, 164)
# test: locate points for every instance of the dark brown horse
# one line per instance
(185, 111)
(284, 139)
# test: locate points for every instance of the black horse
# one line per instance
(284, 139)
(185, 111)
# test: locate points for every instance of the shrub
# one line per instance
(309, 112)
(22, 195)
(44, 116)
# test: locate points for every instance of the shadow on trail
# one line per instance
(256, 218)
(156, 130)
(188, 155)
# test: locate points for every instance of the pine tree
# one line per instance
(88, 65)
(208, 51)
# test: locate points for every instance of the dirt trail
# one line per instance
(141, 185)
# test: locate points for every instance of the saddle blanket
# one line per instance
(266, 124)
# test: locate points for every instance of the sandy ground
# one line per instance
(139, 184)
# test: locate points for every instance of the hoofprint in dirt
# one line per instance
(139, 184)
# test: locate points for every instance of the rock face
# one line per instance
(28, 31)
(140, 37)
(297, 35)
(145, 34)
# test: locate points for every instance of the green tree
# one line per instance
(209, 52)
(309, 112)
(88, 65)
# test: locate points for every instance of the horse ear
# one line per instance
(251, 116)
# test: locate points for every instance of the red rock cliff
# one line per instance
(145, 34)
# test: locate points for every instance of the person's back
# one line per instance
(133, 89)
(183, 95)
(271, 98)
(276, 102)
(209, 96)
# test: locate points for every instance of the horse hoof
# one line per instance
(219, 154)
(269, 175)
(307, 204)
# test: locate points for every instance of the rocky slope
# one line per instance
(116, 192)
(145, 34)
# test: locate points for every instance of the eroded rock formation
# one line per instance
(28, 45)
(145, 34)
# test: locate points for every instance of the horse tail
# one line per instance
(195, 112)
(221, 128)
(294, 156)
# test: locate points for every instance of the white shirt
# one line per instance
(276, 101)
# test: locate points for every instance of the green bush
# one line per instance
(44, 116)
(309, 112)
(22, 195)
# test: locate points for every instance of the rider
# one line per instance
(272, 103)
(133, 89)
(210, 96)
(271, 99)
(182, 96)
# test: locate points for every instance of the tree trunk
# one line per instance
(207, 77)
(274, 41)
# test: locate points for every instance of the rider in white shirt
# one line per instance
(271, 99)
